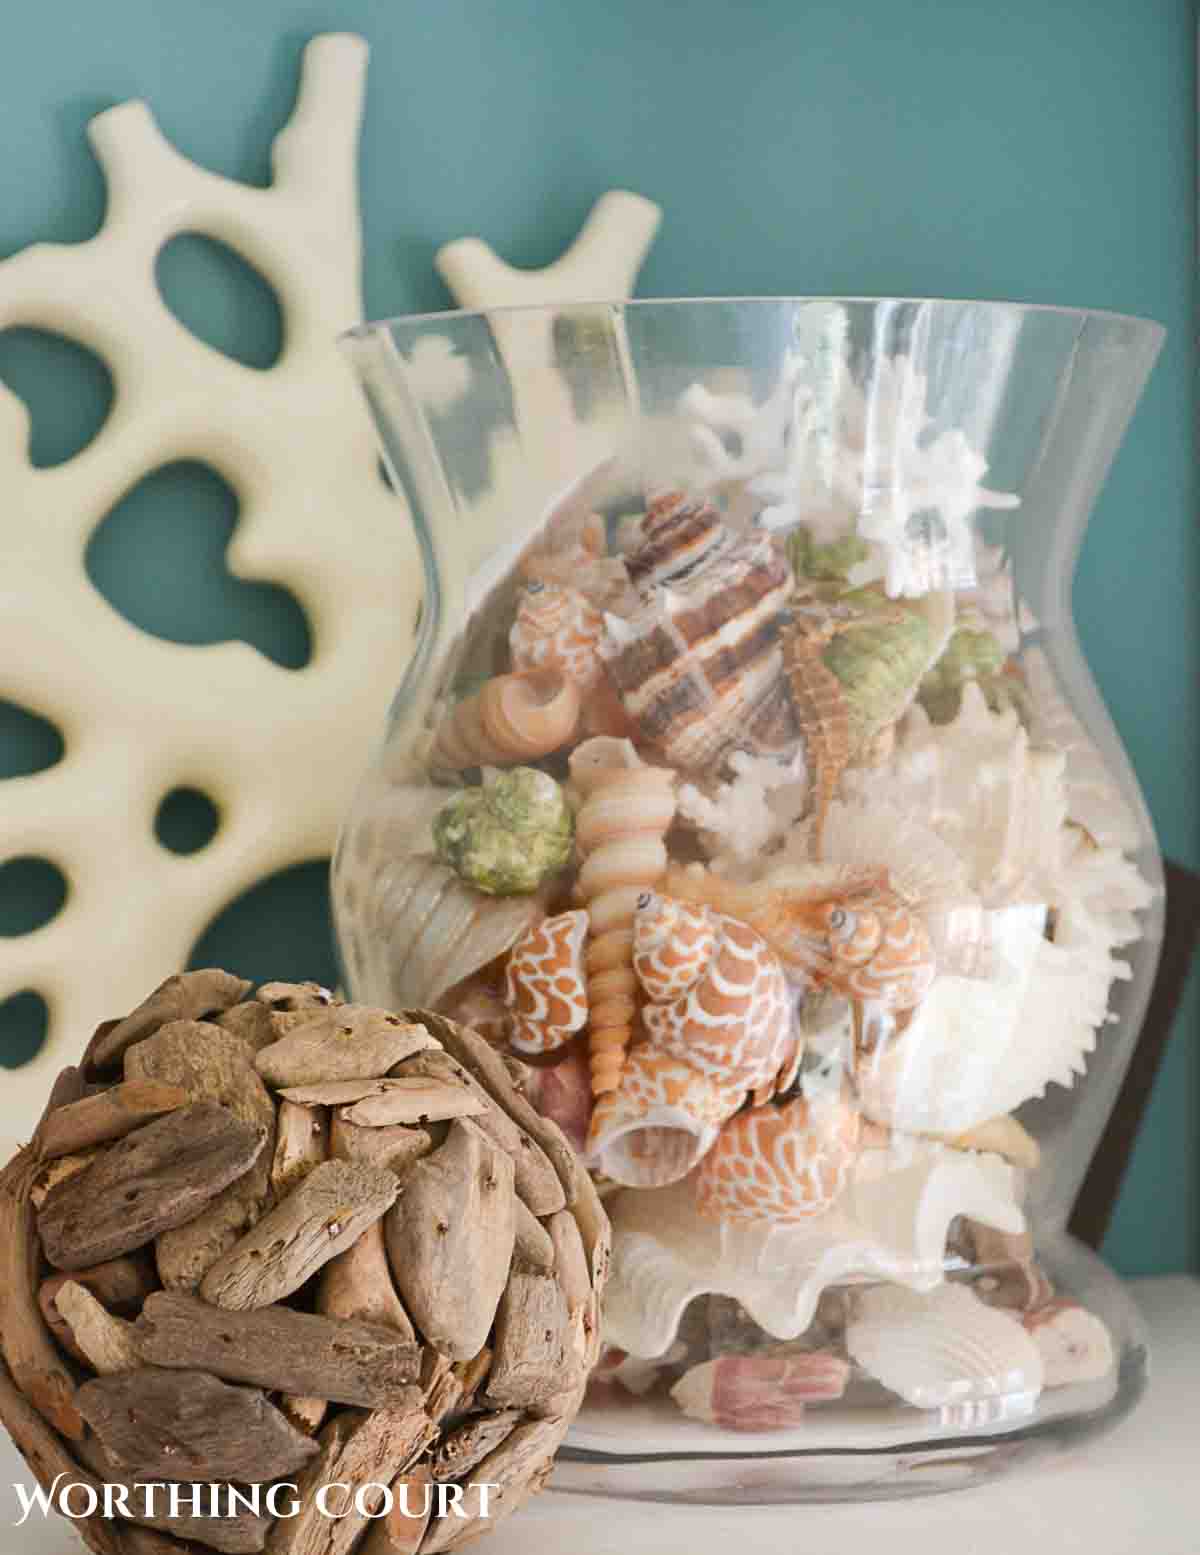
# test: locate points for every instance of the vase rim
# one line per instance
(371, 326)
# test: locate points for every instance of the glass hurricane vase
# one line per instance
(748, 789)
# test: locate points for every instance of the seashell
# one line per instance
(782, 1163)
(858, 938)
(508, 835)
(660, 1120)
(563, 1093)
(545, 985)
(972, 653)
(1075, 1346)
(852, 667)
(946, 1350)
(891, 1223)
(697, 664)
(476, 1004)
(1005, 1273)
(1002, 1136)
(513, 719)
(441, 931)
(719, 998)
(762, 1392)
(556, 629)
(626, 808)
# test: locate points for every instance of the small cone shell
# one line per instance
(619, 831)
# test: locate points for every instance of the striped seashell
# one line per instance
(512, 720)
(860, 939)
(624, 815)
(732, 1020)
(659, 1122)
(557, 629)
(545, 985)
(767, 1391)
(783, 1163)
(695, 663)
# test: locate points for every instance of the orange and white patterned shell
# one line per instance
(672, 943)
(781, 1163)
(733, 1020)
(659, 1122)
(863, 940)
(545, 985)
(556, 628)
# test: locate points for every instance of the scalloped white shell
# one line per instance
(946, 1350)
(890, 1224)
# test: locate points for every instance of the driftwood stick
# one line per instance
(301, 1143)
(69, 1087)
(401, 1531)
(147, 1505)
(29, 1352)
(570, 1260)
(358, 1284)
(189, 1425)
(468, 1444)
(519, 1466)
(533, 1248)
(342, 1042)
(276, 1348)
(106, 1342)
(536, 1180)
(108, 1115)
(211, 1064)
(160, 1176)
(488, 1067)
(324, 1215)
(51, 1173)
(286, 998)
(186, 996)
(413, 1100)
(121, 1284)
(355, 1449)
(532, 1342)
(395, 1147)
(252, 1022)
(450, 1239)
(48, 1459)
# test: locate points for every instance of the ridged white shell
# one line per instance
(946, 1350)
(890, 1224)
(1074, 1344)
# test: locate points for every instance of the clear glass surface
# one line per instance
(748, 786)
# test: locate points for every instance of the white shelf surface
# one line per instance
(1135, 1491)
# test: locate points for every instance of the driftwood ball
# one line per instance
(273, 1239)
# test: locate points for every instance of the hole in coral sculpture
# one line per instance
(159, 558)
(221, 299)
(278, 930)
(28, 744)
(66, 388)
(23, 1023)
(32, 891)
(187, 820)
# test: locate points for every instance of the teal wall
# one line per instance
(948, 147)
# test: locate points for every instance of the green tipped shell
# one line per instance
(830, 563)
(508, 836)
(879, 663)
(971, 654)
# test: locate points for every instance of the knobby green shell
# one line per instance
(973, 653)
(878, 662)
(506, 836)
(831, 563)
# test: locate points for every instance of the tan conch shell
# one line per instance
(660, 1121)
(557, 629)
(513, 719)
(719, 999)
(624, 815)
(860, 938)
(783, 1163)
(545, 985)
